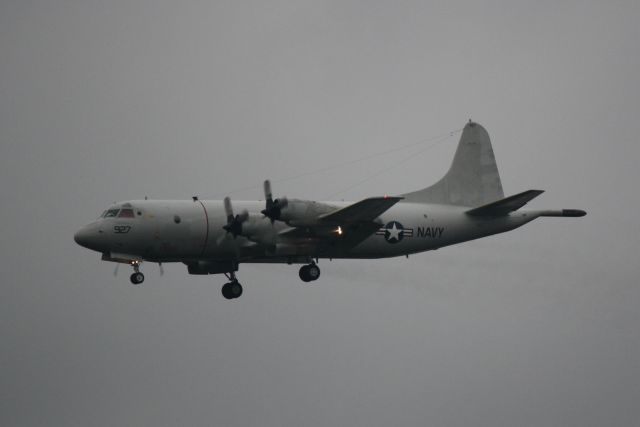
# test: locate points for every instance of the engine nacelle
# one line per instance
(304, 213)
(259, 229)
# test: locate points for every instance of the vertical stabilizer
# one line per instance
(473, 178)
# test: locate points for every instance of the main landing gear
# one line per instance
(309, 272)
(137, 277)
(232, 289)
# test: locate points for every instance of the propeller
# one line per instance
(234, 222)
(273, 208)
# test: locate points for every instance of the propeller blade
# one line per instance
(228, 209)
(115, 270)
(267, 191)
(161, 268)
(234, 223)
(236, 247)
(221, 238)
(273, 208)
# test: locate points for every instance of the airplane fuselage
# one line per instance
(184, 230)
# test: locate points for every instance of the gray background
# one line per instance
(114, 100)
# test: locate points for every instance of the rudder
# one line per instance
(473, 178)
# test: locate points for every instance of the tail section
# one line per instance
(505, 206)
(571, 213)
(473, 178)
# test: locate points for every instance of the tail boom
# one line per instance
(566, 213)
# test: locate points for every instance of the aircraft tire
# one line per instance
(226, 291)
(303, 273)
(137, 278)
(313, 272)
(236, 289)
(232, 290)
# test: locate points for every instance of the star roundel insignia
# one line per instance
(394, 232)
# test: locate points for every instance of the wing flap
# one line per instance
(506, 205)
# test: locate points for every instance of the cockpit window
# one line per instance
(126, 213)
(111, 213)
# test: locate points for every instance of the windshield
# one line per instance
(126, 213)
(111, 213)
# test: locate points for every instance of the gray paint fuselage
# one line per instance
(184, 230)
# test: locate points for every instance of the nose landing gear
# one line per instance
(232, 289)
(137, 277)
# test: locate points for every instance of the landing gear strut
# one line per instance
(137, 277)
(309, 272)
(232, 289)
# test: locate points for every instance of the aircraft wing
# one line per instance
(356, 222)
(506, 205)
(363, 211)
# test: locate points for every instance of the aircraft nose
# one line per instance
(83, 237)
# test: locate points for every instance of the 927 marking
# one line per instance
(121, 229)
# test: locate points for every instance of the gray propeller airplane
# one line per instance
(216, 236)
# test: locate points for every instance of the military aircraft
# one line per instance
(216, 236)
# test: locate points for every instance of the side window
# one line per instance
(126, 213)
(111, 213)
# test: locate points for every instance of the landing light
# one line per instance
(339, 231)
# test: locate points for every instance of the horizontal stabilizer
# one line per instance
(363, 211)
(506, 205)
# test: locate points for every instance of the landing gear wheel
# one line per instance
(137, 278)
(226, 292)
(236, 289)
(232, 290)
(304, 273)
(309, 273)
(313, 271)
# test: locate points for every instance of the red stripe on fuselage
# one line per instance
(206, 236)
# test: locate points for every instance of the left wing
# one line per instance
(351, 224)
(363, 211)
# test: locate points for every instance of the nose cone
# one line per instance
(87, 237)
(82, 237)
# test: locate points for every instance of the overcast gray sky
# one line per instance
(114, 100)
